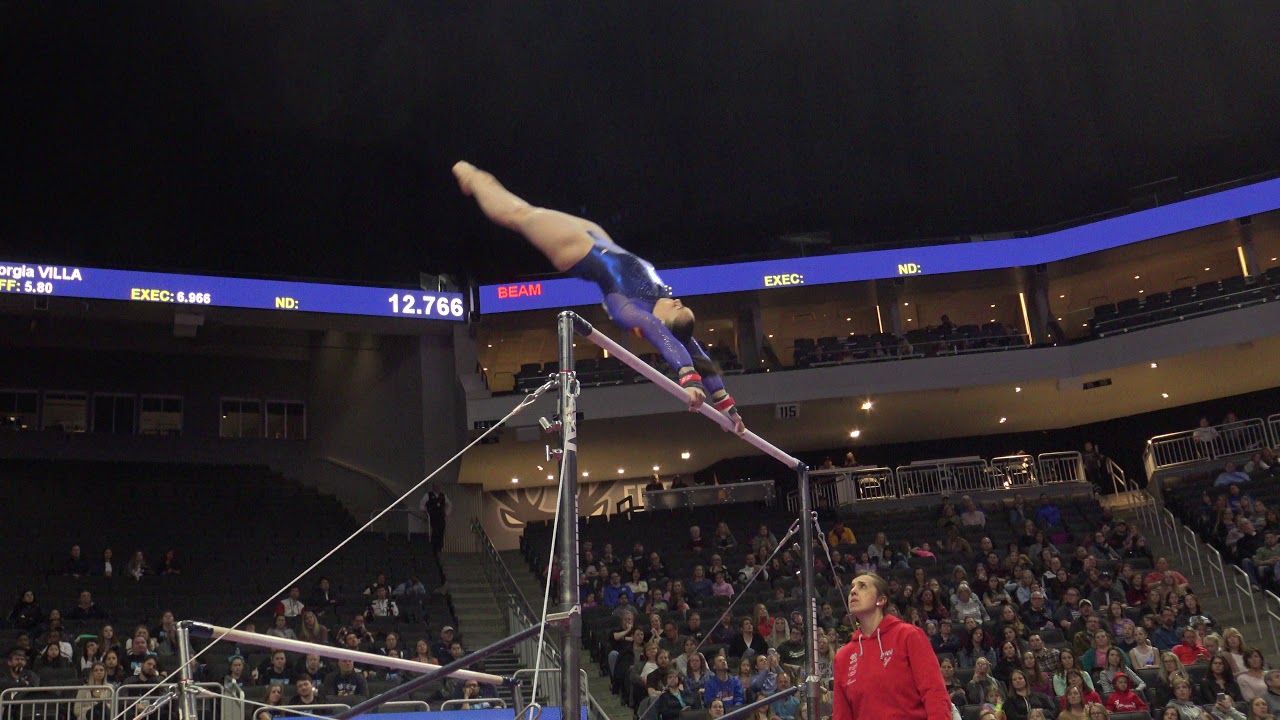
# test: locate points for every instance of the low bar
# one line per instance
(205, 630)
(672, 387)
(746, 710)
(451, 669)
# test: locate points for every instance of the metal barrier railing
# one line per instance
(1056, 467)
(457, 703)
(59, 701)
(935, 477)
(1171, 523)
(1273, 427)
(1203, 444)
(548, 686)
(1193, 550)
(1013, 471)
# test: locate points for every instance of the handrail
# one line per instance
(1193, 545)
(494, 703)
(1216, 557)
(1268, 598)
(1173, 535)
(936, 477)
(1056, 467)
(1243, 590)
(520, 611)
(1273, 426)
(1012, 471)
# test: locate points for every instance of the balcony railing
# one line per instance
(1204, 444)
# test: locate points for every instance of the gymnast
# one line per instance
(634, 296)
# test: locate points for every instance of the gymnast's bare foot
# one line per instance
(464, 172)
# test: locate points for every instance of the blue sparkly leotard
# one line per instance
(631, 286)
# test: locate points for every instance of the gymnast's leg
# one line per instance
(561, 237)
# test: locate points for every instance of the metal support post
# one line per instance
(811, 679)
(571, 649)
(186, 696)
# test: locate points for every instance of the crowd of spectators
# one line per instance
(1068, 622)
(80, 645)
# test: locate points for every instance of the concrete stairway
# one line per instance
(481, 621)
(533, 590)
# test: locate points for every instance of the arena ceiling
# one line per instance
(314, 139)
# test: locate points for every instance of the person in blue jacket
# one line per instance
(724, 687)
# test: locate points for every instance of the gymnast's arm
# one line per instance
(627, 313)
(720, 397)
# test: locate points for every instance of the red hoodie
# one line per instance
(892, 673)
(1126, 701)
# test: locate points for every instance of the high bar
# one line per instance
(279, 643)
(585, 329)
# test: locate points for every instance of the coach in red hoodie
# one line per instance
(888, 669)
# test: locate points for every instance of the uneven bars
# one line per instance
(585, 329)
(278, 643)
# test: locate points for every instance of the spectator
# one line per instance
(76, 565)
(148, 673)
(747, 640)
(90, 653)
(104, 568)
(696, 543)
(1048, 516)
(764, 680)
(311, 630)
(1205, 436)
(724, 687)
(137, 566)
(1022, 698)
(1069, 665)
(85, 609)
(273, 700)
(1095, 464)
(314, 666)
(1046, 657)
(721, 588)
(1124, 699)
(723, 540)
(358, 629)
(840, 535)
(115, 669)
(51, 658)
(138, 653)
(1190, 650)
(323, 599)
(92, 701)
(345, 681)
(792, 651)
(977, 648)
(982, 682)
(1262, 566)
(964, 605)
(26, 614)
(381, 606)
(654, 484)
(1106, 592)
(972, 517)
(1230, 475)
(750, 569)
(305, 691)
(764, 543)
(1218, 681)
(1155, 577)
(786, 708)
(1036, 615)
(169, 564)
(1018, 512)
(275, 671)
(614, 590)
(280, 628)
(448, 636)
(291, 605)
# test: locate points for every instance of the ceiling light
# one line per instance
(1060, 297)
(1141, 291)
(908, 320)
(1164, 395)
(905, 304)
(1206, 269)
(540, 467)
(1154, 366)
(993, 306)
(1084, 324)
(711, 329)
(684, 455)
(866, 405)
(621, 471)
(586, 474)
(1017, 389)
(1002, 420)
(848, 319)
(485, 369)
(1137, 277)
(1059, 319)
(770, 336)
(855, 433)
(1273, 259)
(490, 344)
(655, 468)
(515, 480)
(551, 477)
(993, 319)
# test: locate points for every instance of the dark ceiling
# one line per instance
(314, 139)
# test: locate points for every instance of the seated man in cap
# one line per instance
(448, 636)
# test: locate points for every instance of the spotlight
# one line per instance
(1154, 366)
(1002, 420)
(551, 477)
(855, 433)
(586, 474)
(1017, 389)
(621, 471)
(866, 405)
(655, 468)
(515, 480)
(1164, 395)
(684, 455)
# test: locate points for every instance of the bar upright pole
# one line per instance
(186, 694)
(570, 651)
(811, 679)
